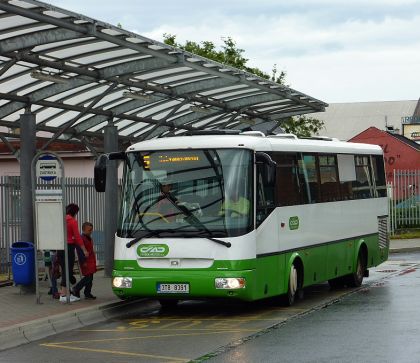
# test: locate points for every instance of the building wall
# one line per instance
(73, 167)
(344, 120)
(398, 155)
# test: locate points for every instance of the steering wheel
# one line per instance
(230, 212)
(154, 214)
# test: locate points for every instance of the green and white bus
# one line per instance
(246, 216)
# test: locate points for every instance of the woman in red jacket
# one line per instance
(73, 239)
(88, 266)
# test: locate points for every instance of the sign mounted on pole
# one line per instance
(49, 208)
(48, 167)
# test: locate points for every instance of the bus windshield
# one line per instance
(187, 193)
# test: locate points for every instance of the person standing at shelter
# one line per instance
(49, 258)
(88, 266)
(73, 239)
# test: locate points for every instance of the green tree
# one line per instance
(231, 55)
(302, 126)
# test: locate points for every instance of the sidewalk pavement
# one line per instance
(404, 245)
(22, 320)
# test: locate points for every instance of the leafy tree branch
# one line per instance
(230, 54)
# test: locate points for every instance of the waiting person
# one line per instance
(49, 257)
(73, 239)
(88, 266)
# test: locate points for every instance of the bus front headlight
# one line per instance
(122, 282)
(229, 283)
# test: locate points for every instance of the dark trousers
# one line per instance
(85, 282)
(61, 259)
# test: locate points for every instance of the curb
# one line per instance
(25, 333)
(404, 249)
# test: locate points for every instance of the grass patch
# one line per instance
(406, 234)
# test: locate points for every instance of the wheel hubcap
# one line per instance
(293, 280)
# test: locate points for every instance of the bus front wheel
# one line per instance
(294, 286)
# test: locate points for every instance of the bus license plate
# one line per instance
(173, 288)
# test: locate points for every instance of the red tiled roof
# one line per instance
(55, 146)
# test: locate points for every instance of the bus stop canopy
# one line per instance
(78, 75)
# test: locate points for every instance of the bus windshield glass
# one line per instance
(187, 193)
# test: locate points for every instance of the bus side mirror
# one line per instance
(100, 169)
(268, 167)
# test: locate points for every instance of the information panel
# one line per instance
(49, 219)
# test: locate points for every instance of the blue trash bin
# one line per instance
(23, 263)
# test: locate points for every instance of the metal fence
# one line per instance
(404, 200)
(77, 190)
(403, 192)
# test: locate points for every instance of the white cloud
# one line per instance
(332, 50)
(358, 61)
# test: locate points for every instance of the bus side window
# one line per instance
(346, 174)
(379, 175)
(289, 190)
(330, 188)
(308, 169)
(363, 187)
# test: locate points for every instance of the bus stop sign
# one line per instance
(48, 167)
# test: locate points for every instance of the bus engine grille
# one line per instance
(383, 232)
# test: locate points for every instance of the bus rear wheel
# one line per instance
(356, 278)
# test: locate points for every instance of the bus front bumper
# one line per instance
(199, 284)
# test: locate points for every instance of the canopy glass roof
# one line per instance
(79, 74)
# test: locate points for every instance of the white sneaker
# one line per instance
(73, 298)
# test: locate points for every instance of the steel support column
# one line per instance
(27, 152)
(111, 197)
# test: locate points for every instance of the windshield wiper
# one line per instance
(216, 240)
(196, 223)
(199, 233)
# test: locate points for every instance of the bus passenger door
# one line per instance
(265, 195)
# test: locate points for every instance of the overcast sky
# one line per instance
(333, 50)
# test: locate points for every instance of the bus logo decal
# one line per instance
(293, 222)
(149, 250)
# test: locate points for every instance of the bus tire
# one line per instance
(294, 286)
(168, 303)
(356, 278)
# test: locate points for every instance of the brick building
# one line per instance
(400, 152)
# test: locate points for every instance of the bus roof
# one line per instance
(257, 143)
